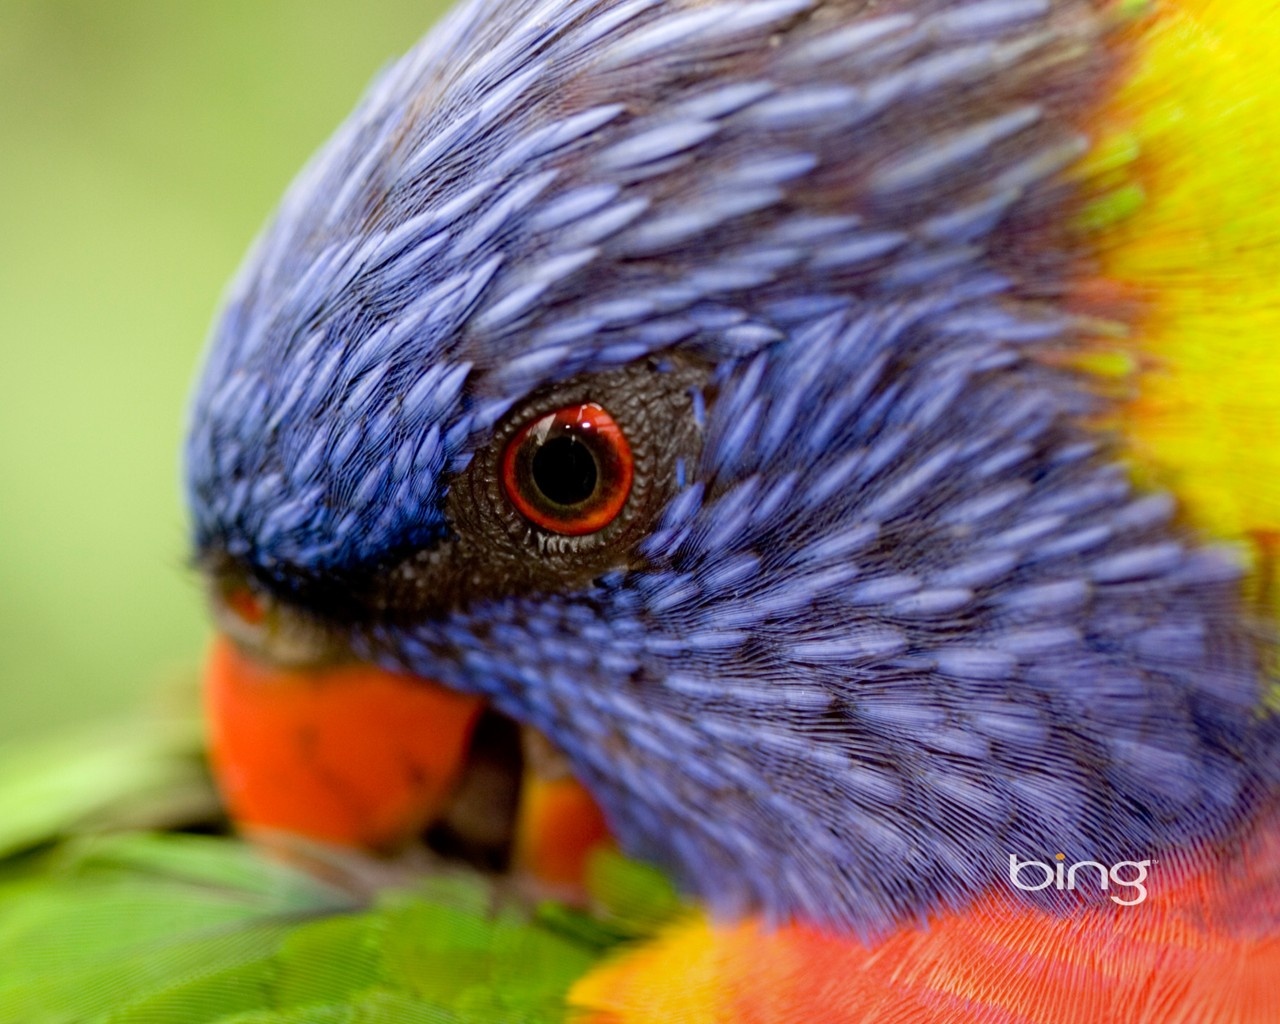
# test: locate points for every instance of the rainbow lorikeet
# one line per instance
(828, 450)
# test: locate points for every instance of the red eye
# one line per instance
(569, 471)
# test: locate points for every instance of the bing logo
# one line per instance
(1061, 877)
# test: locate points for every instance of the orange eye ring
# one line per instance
(569, 471)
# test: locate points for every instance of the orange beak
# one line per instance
(558, 829)
(357, 756)
(347, 754)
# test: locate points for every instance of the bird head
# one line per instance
(682, 381)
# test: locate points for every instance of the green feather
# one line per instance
(192, 929)
(146, 775)
(130, 927)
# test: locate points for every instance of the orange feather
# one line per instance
(1201, 948)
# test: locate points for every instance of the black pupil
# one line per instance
(564, 470)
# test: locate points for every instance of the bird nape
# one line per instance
(838, 437)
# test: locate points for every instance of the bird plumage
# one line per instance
(1202, 948)
(939, 335)
(898, 607)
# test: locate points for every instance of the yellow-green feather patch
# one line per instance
(1186, 223)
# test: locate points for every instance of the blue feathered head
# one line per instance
(876, 605)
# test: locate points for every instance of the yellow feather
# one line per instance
(1187, 171)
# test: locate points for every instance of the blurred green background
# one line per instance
(142, 144)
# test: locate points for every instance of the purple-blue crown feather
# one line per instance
(906, 614)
